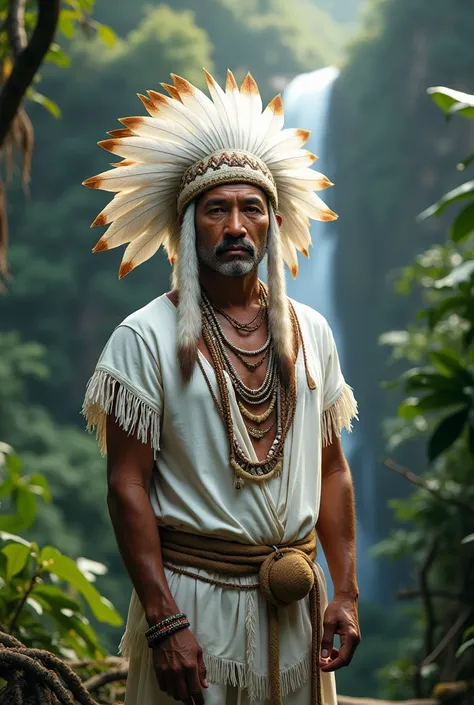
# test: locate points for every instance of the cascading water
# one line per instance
(307, 101)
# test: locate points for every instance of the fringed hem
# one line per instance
(105, 393)
(339, 416)
(226, 672)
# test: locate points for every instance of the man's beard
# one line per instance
(237, 267)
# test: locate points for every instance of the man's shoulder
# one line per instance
(157, 315)
(309, 317)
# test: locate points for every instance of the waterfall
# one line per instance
(307, 101)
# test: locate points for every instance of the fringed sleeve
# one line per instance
(339, 404)
(127, 384)
(339, 415)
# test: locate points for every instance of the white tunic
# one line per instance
(193, 490)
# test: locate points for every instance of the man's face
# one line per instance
(232, 228)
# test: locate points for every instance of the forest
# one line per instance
(401, 136)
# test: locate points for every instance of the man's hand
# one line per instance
(180, 668)
(340, 618)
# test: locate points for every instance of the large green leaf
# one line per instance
(464, 647)
(58, 56)
(429, 381)
(447, 432)
(39, 485)
(463, 225)
(54, 598)
(437, 401)
(448, 98)
(43, 100)
(449, 365)
(458, 275)
(17, 557)
(66, 569)
(7, 536)
(458, 194)
(107, 35)
(26, 506)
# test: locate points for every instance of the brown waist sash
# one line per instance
(285, 575)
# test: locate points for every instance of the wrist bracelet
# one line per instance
(164, 623)
(162, 628)
(166, 632)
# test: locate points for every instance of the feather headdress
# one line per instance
(188, 144)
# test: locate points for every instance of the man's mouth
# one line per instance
(236, 249)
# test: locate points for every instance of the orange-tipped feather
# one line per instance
(181, 85)
(131, 123)
(108, 145)
(99, 221)
(157, 99)
(276, 105)
(100, 246)
(231, 83)
(92, 182)
(120, 132)
(149, 105)
(125, 268)
(249, 86)
(172, 91)
(124, 162)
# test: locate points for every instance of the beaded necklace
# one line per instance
(271, 390)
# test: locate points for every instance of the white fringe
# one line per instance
(339, 416)
(251, 639)
(132, 413)
(221, 670)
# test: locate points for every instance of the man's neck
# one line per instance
(230, 292)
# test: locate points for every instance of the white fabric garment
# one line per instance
(193, 490)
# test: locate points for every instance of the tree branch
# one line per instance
(101, 679)
(450, 634)
(27, 64)
(410, 594)
(419, 482)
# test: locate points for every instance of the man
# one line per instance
(221, 406)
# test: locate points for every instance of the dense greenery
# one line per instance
(392, 157)
(438, 518)
(42, 591)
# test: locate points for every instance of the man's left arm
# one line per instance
(336, 532)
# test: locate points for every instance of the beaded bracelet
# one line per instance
(162, 628)
(167, 631)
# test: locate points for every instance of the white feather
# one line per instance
(202, 106)
(131, 177)
(286, 141)
(305, 179)
(144, 246)
(134, 223)
(146, 151)
(167, 131)
(223, 108)
(299, 159)
(125, 201)
(175, 112)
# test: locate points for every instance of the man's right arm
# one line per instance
(178, 661)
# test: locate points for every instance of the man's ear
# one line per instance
(279, 219)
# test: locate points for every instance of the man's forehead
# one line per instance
(234, 191)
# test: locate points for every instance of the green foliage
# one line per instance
(74, 15)
(42, 591)
(440, 514)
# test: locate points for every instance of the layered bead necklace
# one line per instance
(271, 392)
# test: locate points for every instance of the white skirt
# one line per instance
(231, 628)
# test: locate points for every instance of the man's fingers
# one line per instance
(194, 687)
(327, 641)
(349, 644)
(202, 671)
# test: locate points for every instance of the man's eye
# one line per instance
(252, 209)
(217, 209)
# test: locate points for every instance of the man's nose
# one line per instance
(234, 225)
